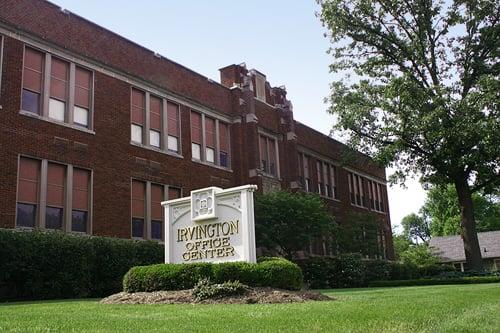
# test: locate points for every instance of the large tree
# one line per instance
(442, 213)
(421, 90)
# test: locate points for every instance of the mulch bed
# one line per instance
(252, 296)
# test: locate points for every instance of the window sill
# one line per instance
(358, 206)
(74, 233)
(158, 150)
(211, 165)
(268, 175)
(329, 198)
(36, 116)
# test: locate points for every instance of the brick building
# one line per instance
(96, 130)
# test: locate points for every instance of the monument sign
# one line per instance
(211, 225)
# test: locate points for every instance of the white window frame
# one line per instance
(70, 103)
(147, 211)
(68, 196)
(357, 184)
(203, 145)
(269, 137)
(146, 129)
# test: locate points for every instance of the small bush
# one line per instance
(437, 281)
(278, 273)
(205, 289)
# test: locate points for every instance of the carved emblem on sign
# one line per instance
(203, 203)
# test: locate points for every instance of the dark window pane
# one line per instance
(79, 221)
(53, 218)
(26, 215)
(31, 101)
(224, 161)
(137, 228)
(156, 229)
(272, 169)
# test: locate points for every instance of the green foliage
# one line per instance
(333, 272)
(418, 255)
(438, 281)
(424, 96)
(278, 273)
(442, 210)
(43, 265)
(350, 271)
(401, 244)
(358, 234)
(416, 228)
(205, 289)
(287, 222)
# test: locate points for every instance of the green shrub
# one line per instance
(436, 281)
(205, 289)
(348, 271)
(333, 272)
(165, 276)
(49, 265)
(279, 273)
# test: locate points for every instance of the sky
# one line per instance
(281, 38)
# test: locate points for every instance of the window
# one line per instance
(209, 140)
(268, 156)
(375, 195)
(333, 182)
(80, 209)
(28, 188)
(196, 135)
(147, 213)
(138, 118)
(56, 174)
(59, 72)
(83, 95)
(224, 144)
(67, 100)
(319, 174)
(327, 185)
(159, 126)
(157, 195)
(155, 121)
(62, 183)
(138, 208)
(173, 127)
(260, 87)
(304, 174)
(33, 73)
(356, 190)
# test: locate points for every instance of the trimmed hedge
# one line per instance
(437, 281)
(48, 265)
(348, 271)
(276, 273)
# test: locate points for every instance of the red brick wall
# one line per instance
(108, 152)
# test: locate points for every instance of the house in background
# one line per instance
(450, 249)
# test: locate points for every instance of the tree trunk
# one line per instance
(468, 225)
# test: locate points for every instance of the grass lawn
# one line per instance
(451, 308)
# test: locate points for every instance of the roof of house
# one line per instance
(451, 248)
